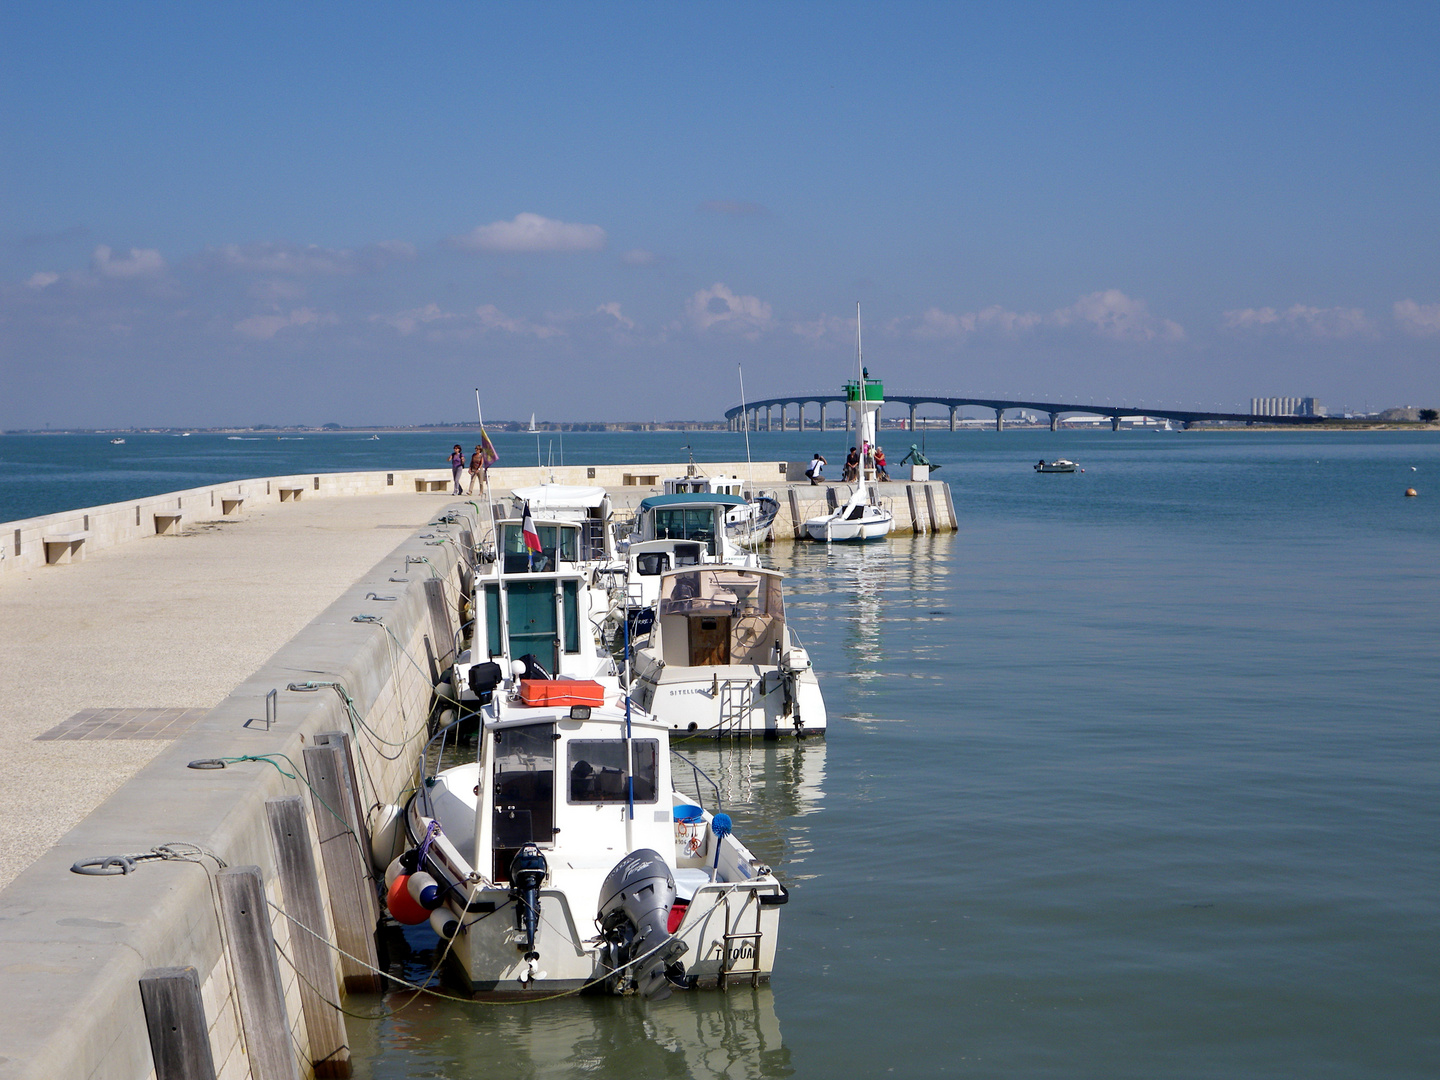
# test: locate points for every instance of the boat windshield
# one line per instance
(721, 591)
(562, 541)
(598, 773)
(686, 523)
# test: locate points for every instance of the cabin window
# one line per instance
(524, 788)
(686, 523)
(598, 773)
(652, 563)
(570, 593)
(492, 620)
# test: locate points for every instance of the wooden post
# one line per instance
(310, 939)
(175, 1018)
(950, 506)
(930, 503)
(915, 523)
(353, 905)
(256, 971)
(440, 622)
(797, 523)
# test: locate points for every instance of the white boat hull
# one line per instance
(831, 529)
(728, 701)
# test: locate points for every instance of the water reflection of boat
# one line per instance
(701, 1036)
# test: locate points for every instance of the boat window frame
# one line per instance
(643, 770)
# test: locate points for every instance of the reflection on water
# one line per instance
(732, 1034)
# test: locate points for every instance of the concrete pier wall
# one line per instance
(71, 535)
(73, 948)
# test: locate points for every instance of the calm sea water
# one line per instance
(1134, 776)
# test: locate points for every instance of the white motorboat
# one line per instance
(672, 531)
(116, 442)
(720, 659)
(564, 859)
(1058, 465)
(747, 524)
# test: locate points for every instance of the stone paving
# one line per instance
(103, 661)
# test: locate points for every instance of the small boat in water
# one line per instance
(116, 442)
(564, 859)
(719, 658)
(1058, 465)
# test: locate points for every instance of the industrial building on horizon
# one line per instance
(1286, 406)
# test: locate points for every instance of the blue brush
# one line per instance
(722, 827)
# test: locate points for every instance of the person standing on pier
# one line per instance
(816, 470)
(477, 469)
(457, 463)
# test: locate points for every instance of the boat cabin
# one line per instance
(587, 508)
(705, 485)
(720, 615)
(687, 516)
(567, 781)
(544, 615)
(560, 543)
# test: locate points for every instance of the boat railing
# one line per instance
(442, 736)
(697, 774)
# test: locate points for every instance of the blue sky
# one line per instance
(217, 214)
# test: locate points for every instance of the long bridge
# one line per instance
(748, 415)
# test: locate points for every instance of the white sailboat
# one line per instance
(858, 518)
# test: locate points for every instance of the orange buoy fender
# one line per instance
(1410, 493)
(404, 908)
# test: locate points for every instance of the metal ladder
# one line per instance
(734, 709)
(732, 934)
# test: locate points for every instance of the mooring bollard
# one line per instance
(256, 970)
(344, 849)
(175, 1020)
(310, 937)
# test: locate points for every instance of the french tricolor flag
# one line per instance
(527, 527)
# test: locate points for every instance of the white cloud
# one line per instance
(531, 232)
(306, 260)
(1331, 322)
(613, 310)
(1120, 317)
(638, 257)
(825, 328)
(1109, 313)
(408, 321)
(42, 279)
(141, 262)
(492, 318)
(1417, 319)
(718, 306)
(265, 327)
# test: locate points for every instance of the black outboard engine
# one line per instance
(635, 904)
(533, 667)
(527, 871)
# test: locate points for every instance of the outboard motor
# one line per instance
(635, 904)
(527, 871)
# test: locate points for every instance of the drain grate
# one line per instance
(125, 724)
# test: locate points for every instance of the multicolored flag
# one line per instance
(488, 453)
(527, 528)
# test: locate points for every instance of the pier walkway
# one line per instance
(167, 623)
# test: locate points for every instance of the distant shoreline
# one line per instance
(633, 428)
